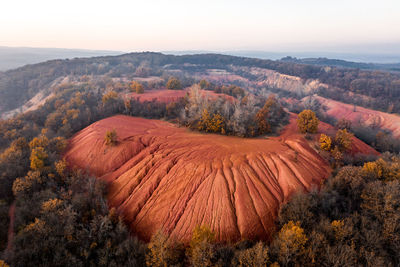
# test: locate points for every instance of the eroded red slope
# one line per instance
(359, 115)
(162, 176)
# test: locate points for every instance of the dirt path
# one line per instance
(11, 214)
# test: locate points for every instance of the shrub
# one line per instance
(111, 138)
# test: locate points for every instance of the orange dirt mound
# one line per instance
(164, 177)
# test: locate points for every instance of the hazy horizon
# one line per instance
(284, 26)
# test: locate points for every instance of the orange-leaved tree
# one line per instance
(307, 121)
(325, 142)
(136, 87)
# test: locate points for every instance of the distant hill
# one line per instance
(14, 57)
(375, 58)
(322, 61)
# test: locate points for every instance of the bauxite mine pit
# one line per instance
(164, 177)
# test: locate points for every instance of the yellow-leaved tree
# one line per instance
(162, 252)
(325, 142)
(109, 96)
(201, 251)
(136, 87)
(307, 121)
(38, 158)
(204, 120)
(290, 243)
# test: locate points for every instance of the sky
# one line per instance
(217, 25)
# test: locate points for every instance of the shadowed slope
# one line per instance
(162, 176)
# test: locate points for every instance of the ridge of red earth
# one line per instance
(161, 176)
(357, 114)
(168, 96)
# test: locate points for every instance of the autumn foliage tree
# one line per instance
(109, 96)
(201, 251)
(262, 121)
(38, 158)
(136, 87)
(325, 142)
(290, 243)
(256, 256)
(174, 84)
(211, 123)
(343, 140)
(162, 252)
(204, 84)
(307, 121)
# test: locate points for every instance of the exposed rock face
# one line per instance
(162, 176)
(359, 115)
(285, 82)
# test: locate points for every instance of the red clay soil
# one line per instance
(366, 116)
(164, 96)
(168, 96)
(11, 214)
(164, 177)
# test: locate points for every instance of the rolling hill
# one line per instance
(164, 177)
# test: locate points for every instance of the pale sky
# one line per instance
(155, 25)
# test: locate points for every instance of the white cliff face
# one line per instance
(37, 100)
(273, 79)
(32, 104)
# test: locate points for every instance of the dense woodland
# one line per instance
(62, 217)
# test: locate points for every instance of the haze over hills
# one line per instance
(14, 57)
